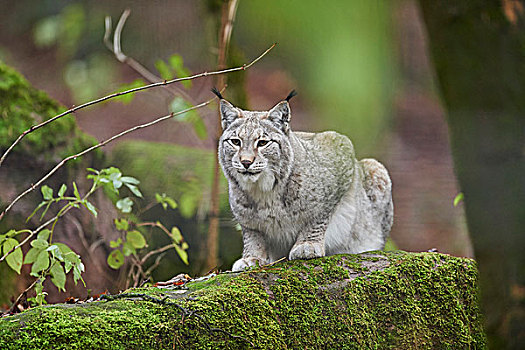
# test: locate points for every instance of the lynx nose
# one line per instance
(246, 163)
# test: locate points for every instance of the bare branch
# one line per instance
(17, 301)
(153, 252)
(98, 145)
(156, 264)
(117, 49)
(116, 94)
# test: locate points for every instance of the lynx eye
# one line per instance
(262, 143)
(235, 142)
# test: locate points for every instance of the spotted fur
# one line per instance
(299, 195)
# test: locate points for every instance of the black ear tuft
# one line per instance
(217, 92)
(290, 95)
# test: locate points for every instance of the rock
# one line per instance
(376, 300)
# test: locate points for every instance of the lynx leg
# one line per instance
(254, 250)
(311, 244)
(378, 187)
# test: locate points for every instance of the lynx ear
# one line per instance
(228, 112)
(280, 116)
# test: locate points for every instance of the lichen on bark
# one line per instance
(391, 300)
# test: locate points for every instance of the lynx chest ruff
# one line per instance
(299, 195)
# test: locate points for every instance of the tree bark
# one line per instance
(228, 10)
(377, 300)
(477, 47)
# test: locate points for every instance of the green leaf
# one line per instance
(459, 197)
(128, 249)
(129, 180)
(164, 70)
(41, 263)
(31, 255)
(47, 192)
(55, 252)
(160, 200)
(58, 276)
(136, 239)
(10, 233)
(179, 104)
(64, 249)
(47, 31)
(177, 65)
(182, 254)
(135, 190)
(125, 205)
(90, 207)
(62, 190)
(115, 259)
(176, 236)
(46, 209)
(121, 224)
(75, 191)
(115, 178)
(115, 244)
(184, 245)
(36, 210)
(77, 272)
(164, 200)
(44, 234)
(40, 244)
(15, 258)
(40, 294)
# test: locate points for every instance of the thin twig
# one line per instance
(156, 251)
(12, 309)
(116, 94)
(98, 145)
(154, 266)
(116, 49)
(156, 224)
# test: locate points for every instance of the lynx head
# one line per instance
(254, 149)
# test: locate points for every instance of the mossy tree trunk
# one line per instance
(380, 300)
(479, 56)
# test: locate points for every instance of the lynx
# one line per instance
(299, 195)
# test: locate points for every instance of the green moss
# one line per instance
(391, 300)
(22, 106)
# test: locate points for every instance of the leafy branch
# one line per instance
(132, 240)
(49, 258)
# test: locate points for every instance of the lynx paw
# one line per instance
(244, 263)
(307, 250)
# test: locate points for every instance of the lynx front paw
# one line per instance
(244, 263)
(307, 250)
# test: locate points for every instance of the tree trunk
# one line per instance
(478, 51)
(369, 301)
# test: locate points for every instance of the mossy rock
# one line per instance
(22, 106)
(377, 300)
